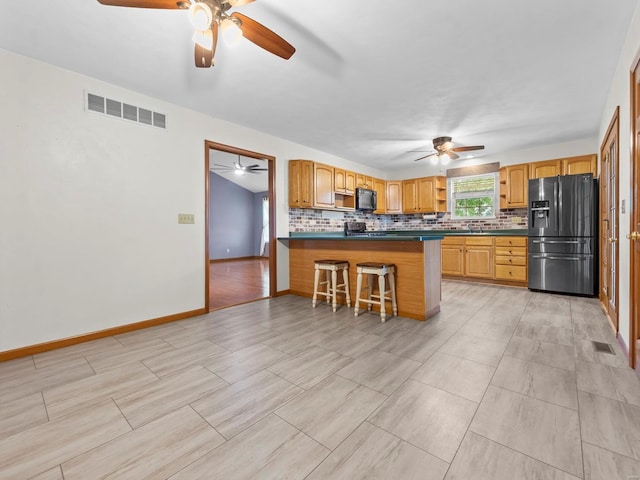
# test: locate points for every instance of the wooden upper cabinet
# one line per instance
(580, 164)
(344, 181)
(323, 186)
(300, 183)
(424, 195)
(427, 194)
(547, 168)
(514, 186)
(380, 186)
(364, 181)
(564, 166)
(339, 180)
(350, 182)
(394, 196)
(410, 196)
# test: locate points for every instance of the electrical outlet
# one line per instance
(516, 219)
(184, 218)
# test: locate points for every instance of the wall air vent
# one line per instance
(115, 108)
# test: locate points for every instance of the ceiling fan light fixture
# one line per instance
(231, 33)
(435, 159)
(444, 158)
(204, 38)
(200, 15)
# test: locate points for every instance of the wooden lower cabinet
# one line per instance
(453, 256)
(497, 259)
(478, 257)
(511, 259)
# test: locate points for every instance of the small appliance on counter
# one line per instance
(359, 229)
(563, 234)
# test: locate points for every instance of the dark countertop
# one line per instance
(419, 235)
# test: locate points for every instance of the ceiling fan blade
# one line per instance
(203, 56)
(426, 156)
(263, 37)
(453, 155)
(223, 166)
(239, 3)
(166, 4)
(258, 169)
(468, 149)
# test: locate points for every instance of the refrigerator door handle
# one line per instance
(558, 201)
(551, 257)
(560, 241)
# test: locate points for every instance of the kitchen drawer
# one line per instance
(511, 241)
(515, 273)
(510, 260)
(516, 251)
(478, 240)
(453, 240)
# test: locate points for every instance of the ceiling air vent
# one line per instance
(115, 108)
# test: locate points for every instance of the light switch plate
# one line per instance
(186, 218)
(623, 206)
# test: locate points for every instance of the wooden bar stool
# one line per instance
(380, 269)
(332, 287)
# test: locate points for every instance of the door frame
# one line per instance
(612, 135)
(271, 162)
(634, 211)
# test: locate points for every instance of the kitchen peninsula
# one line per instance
(417, 260)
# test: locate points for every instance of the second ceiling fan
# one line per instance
(445, 151)
(209, 17)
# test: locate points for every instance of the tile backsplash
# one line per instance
(309, 220)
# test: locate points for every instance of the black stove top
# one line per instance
(359, 229)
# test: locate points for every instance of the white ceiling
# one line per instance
(371, 79)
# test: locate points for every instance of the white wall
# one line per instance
(619, 95)
(89, 237)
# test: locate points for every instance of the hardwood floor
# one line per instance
(233, 282)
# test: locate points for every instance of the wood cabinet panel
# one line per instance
(410, 196)
(512, 273)
(518, 251)
(514, 186)
(380, 187)
(453, 260)
(339, 180)
(323, 186)
(580, 164)
(350, 182)
(478, 261)
(511, 241)
(424, 195)
(363, 181)
(510, 260)
(300, 183)
(546, 168)
(394, 196)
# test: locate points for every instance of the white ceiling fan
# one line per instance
(238, 168)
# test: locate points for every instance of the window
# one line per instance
(474, 196)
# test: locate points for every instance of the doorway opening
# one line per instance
(240, 226)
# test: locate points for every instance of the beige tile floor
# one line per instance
(502, 384)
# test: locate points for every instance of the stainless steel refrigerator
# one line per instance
(563, 234)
